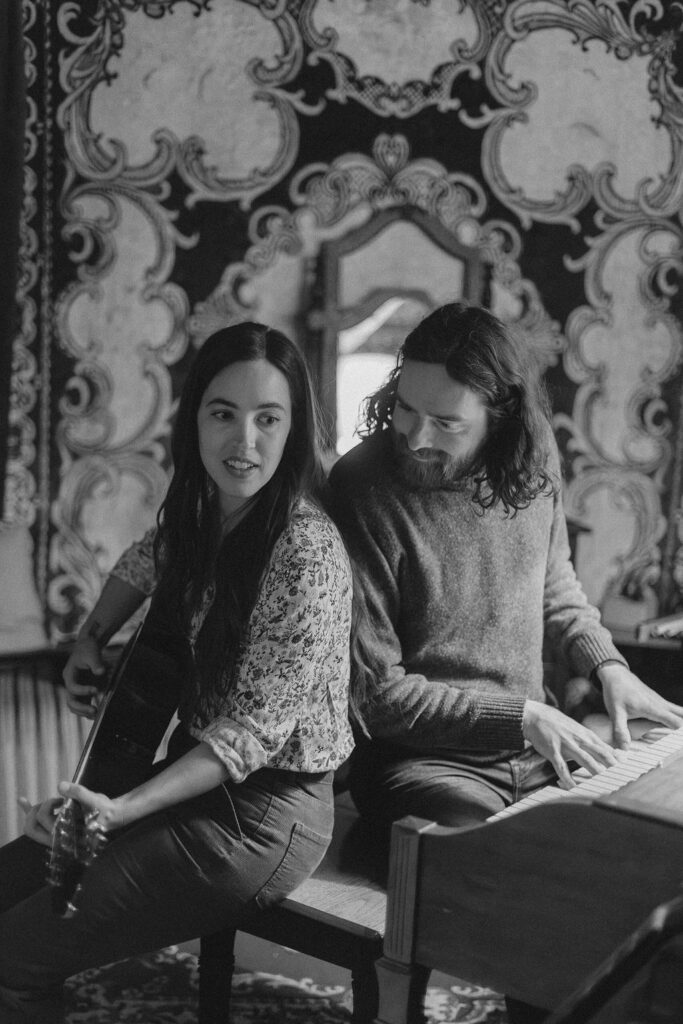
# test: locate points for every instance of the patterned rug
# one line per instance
(162, 989)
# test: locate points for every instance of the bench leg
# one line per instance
(364, 988)
(216, 968)
(402, 991)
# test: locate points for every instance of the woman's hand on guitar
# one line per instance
(102, 814)
(40, 818)
(85, 663)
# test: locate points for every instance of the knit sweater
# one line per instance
(459, 600)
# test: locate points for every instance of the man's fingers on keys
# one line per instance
(591, 764)
(563, 774)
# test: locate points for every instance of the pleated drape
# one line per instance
(40, 739)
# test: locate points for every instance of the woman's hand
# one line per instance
(101, 812)
(40, 818)
(80, 675)
(626, 696)
(560, 739)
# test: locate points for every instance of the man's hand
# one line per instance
(84, 664)
(626, 696)
(40, 819)
(559, 738)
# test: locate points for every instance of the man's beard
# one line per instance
(433, 470)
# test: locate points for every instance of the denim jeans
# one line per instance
(173, 876)
(388, 782)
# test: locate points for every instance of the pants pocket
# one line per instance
(304, 852)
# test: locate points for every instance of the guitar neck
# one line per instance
(134, 711)
(103, 705)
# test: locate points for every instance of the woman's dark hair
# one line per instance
(189, 551)
(477, 350)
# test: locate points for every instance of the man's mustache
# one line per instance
(424, 455)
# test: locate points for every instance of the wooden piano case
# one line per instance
(533, 904)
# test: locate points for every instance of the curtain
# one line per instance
(12, 118)
(40, 739)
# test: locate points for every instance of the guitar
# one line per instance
(137, 704)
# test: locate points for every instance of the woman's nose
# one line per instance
(245, 434)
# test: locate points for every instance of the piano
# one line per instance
(609, 788)
(532, 902)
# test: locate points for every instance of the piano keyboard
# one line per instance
(644, 754)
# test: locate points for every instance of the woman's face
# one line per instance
(243, 421)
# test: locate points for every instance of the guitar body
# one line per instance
(136, 707)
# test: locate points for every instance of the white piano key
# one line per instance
(644, 754)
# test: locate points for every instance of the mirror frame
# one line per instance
(325, 316)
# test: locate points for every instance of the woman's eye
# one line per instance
(448, 425)
(269, 420)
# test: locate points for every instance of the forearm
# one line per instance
(418, 712)
(196, 772)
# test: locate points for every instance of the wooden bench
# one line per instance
(337, 915)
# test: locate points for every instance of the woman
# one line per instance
(246, 565)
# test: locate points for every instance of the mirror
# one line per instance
(373, 285)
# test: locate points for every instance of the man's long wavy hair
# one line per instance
(477, 350)
(190, 552)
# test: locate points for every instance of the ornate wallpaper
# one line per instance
(187, 160)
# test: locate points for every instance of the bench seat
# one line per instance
(336, 915)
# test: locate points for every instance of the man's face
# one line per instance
(439, 426)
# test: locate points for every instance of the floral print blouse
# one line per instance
(288, 704)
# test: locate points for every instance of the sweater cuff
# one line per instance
(498, 723)
(590, 650)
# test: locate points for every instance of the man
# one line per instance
(452, 510)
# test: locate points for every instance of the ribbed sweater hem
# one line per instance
(499, 722)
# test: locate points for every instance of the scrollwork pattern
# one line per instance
(24, 500)
(393, 99)
(89, 63)
(633, 572)
(640, 446)
(332, 193)
(621, 345)
(624, 37)
(102, 447)
(83, 557)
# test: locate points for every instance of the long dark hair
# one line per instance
(189, 550)
(479, 351)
